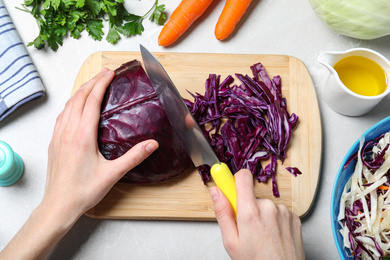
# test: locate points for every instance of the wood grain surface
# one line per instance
(187, 198)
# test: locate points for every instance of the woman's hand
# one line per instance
(78, 176)
(263, 230)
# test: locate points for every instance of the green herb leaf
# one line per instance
(112, 35)
(53, 3)
(94, 7)
(38, 43)
(95, 28)
(133, 27)
(110, 7)
(121, 14)
(60, 31)
(75, 16)
(158, 16)
(28, 2)
(54, 41)
(76, 32)
(80, 3)
(60, 20)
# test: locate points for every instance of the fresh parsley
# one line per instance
(59, 18)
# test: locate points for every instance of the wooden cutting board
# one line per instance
(187, 198)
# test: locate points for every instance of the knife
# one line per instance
(187, 129)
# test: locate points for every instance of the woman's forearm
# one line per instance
(43, 229)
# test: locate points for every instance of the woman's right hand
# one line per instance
(262, 230)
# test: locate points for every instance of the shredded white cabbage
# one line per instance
(373, 218)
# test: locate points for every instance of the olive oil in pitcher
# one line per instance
(361, 75)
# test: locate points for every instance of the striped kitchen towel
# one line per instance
(19, 79)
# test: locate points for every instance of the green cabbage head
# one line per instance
(361, 19)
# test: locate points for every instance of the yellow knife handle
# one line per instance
(224, 179)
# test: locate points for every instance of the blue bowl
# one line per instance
(341, 179)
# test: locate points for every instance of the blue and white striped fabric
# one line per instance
(19, 79)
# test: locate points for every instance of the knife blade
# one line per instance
(187, 129)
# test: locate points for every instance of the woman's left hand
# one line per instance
(78, 176)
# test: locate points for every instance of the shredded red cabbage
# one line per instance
(294, 171)
(245, 124)
(366, 152)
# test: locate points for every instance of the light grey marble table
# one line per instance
(271, 27)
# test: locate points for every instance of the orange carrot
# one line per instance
(230, 16)
(181, 19)
(382, 187)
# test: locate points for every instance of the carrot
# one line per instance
(382, 187)
(230, 16)
(181, 19)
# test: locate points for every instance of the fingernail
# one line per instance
(151, 147)
(214, 193)
(103, 70)
(108, 72)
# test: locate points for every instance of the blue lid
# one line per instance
(11, 165)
